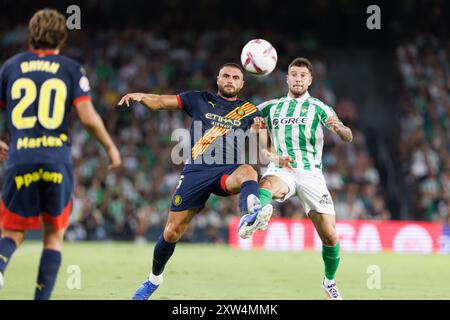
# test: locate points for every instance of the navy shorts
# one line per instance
(196, 184)
(36, 192)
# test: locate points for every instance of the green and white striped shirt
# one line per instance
(295, 127)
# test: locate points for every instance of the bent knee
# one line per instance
(248, 173)
(172, 234)
(278, 188)
(266, 184)
(53, 239)
(330, 239)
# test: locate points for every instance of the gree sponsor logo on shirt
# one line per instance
(289, 121)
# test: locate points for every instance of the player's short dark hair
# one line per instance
(233, 65)
(47, 29)
(302, 62)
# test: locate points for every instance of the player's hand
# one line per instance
(283, 161)
(334, 123)
(258, 123)
(130, 97)
(3, 151)
(114, 156)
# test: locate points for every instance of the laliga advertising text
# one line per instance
(225, 311)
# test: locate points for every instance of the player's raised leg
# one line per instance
(244, 180)
(50, 261)
(271, 187)
(9, 242)
(325, 225)
(176, 225)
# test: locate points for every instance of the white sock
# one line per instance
(328, 282)
(156, 280)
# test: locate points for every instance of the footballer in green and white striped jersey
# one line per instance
(295, 123)
(295, 126)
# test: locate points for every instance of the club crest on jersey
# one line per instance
(177, 200)
(289, 120)
(240, 112)
(84, 84)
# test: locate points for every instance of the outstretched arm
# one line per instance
(151, 101)
(345, 133)
(92, 121)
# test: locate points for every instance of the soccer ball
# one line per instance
(259, 57)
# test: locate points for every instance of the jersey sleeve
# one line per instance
(249, 119)
(325, 112)
(3, 86)
(265, 108)
(81, 90)
(186, 101)
(255, 114)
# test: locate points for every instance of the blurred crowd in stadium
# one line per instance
(123, 204)
(424, 65)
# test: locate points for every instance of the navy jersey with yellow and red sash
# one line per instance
(37, 91)
(218, 130)
(213, 119)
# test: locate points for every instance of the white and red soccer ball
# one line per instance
(259, 57)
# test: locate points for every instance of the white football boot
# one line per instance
(255, 219)
(266, 214)
(331, 289)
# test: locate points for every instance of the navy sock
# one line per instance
(48, 270)
(7, 248)
(162, 253)
(247, 188)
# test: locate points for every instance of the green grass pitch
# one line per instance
(115, 270)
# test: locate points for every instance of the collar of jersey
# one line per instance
(44, 52)
(303, 98)
(229, 101)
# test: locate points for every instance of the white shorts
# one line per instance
(308, 185)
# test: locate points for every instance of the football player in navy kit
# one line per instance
(218, 114)
(38, 89)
